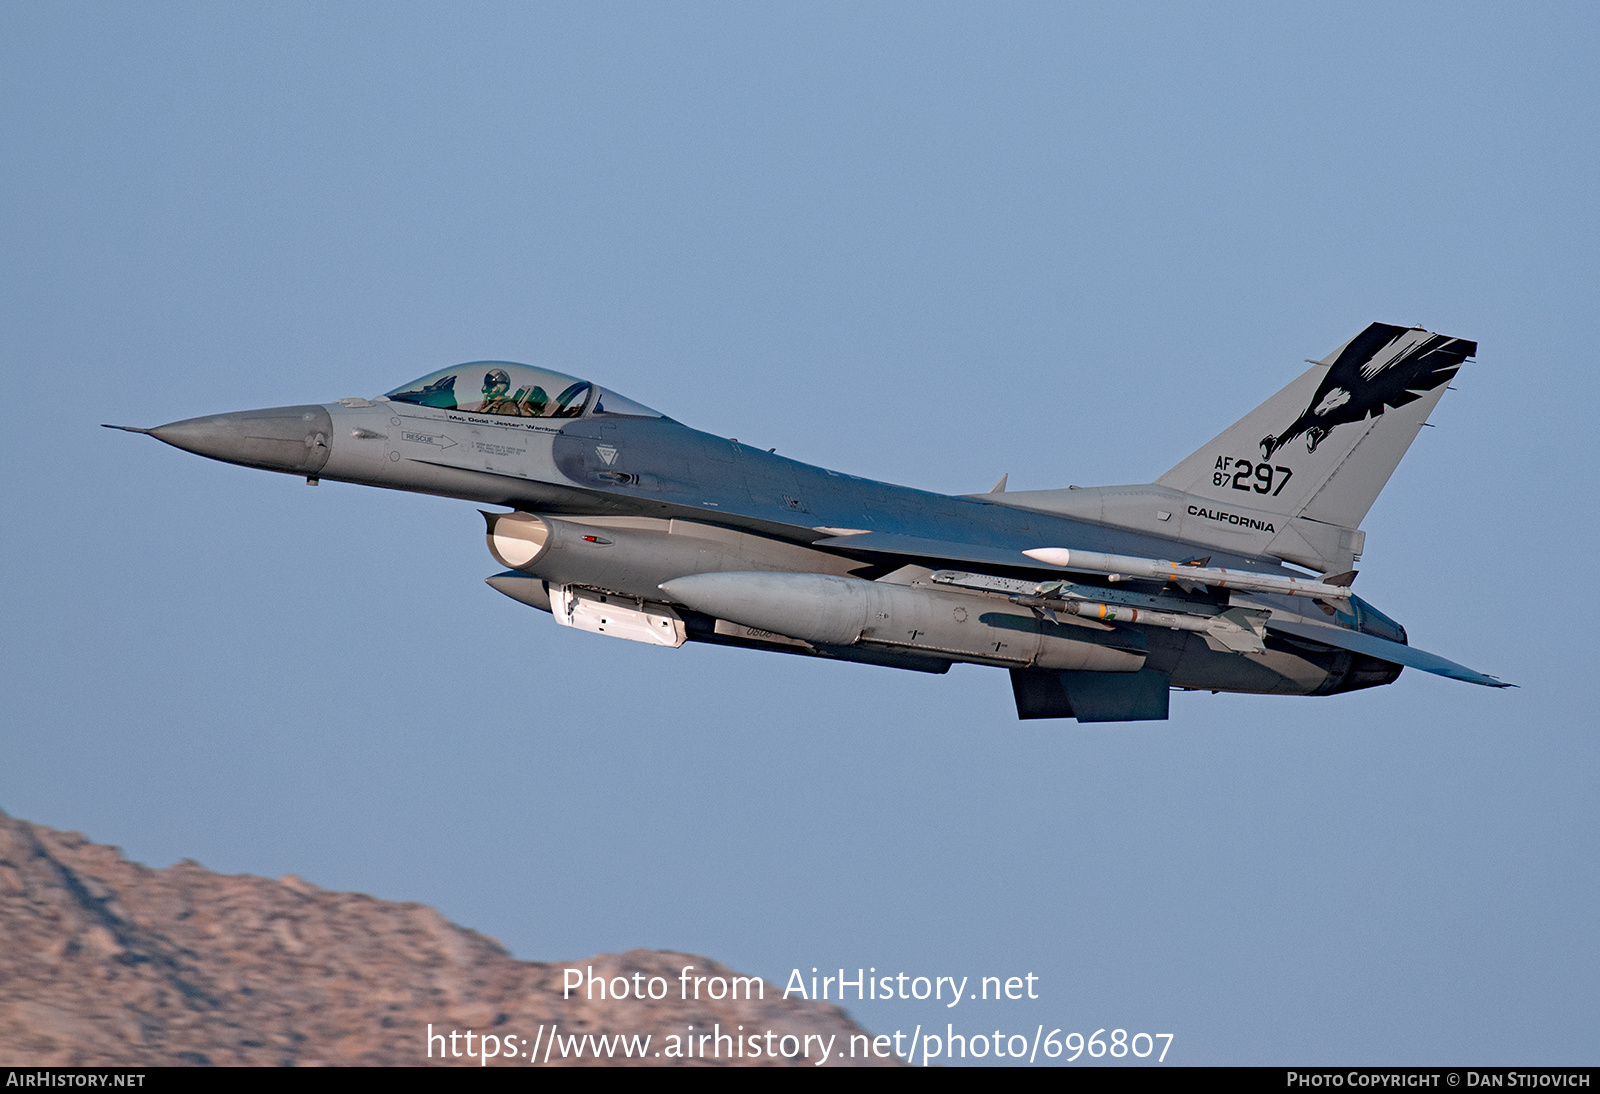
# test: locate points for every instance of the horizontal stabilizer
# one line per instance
(1385, 650)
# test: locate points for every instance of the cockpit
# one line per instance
(504, 387)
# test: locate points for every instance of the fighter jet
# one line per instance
(1228, 573)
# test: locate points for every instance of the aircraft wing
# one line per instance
(913, 547)
(1385, 650)
(1056, 560)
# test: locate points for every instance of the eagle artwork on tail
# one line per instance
(1384, 366)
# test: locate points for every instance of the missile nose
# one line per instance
(294, 439)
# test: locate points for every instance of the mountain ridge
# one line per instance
(107, 962)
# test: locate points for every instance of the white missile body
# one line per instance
(1094, 562)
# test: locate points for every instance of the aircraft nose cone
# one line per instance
(294, 439)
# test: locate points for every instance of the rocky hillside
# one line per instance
(107, 962)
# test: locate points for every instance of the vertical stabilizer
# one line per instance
(1323, 447)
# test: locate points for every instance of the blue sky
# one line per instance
(923, 243)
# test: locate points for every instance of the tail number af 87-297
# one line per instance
(1247, 476)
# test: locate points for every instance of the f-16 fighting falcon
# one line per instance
(1228, 573)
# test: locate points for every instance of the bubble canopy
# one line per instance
(505, 387)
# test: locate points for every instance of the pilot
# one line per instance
(496, 383)
(526, 403)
